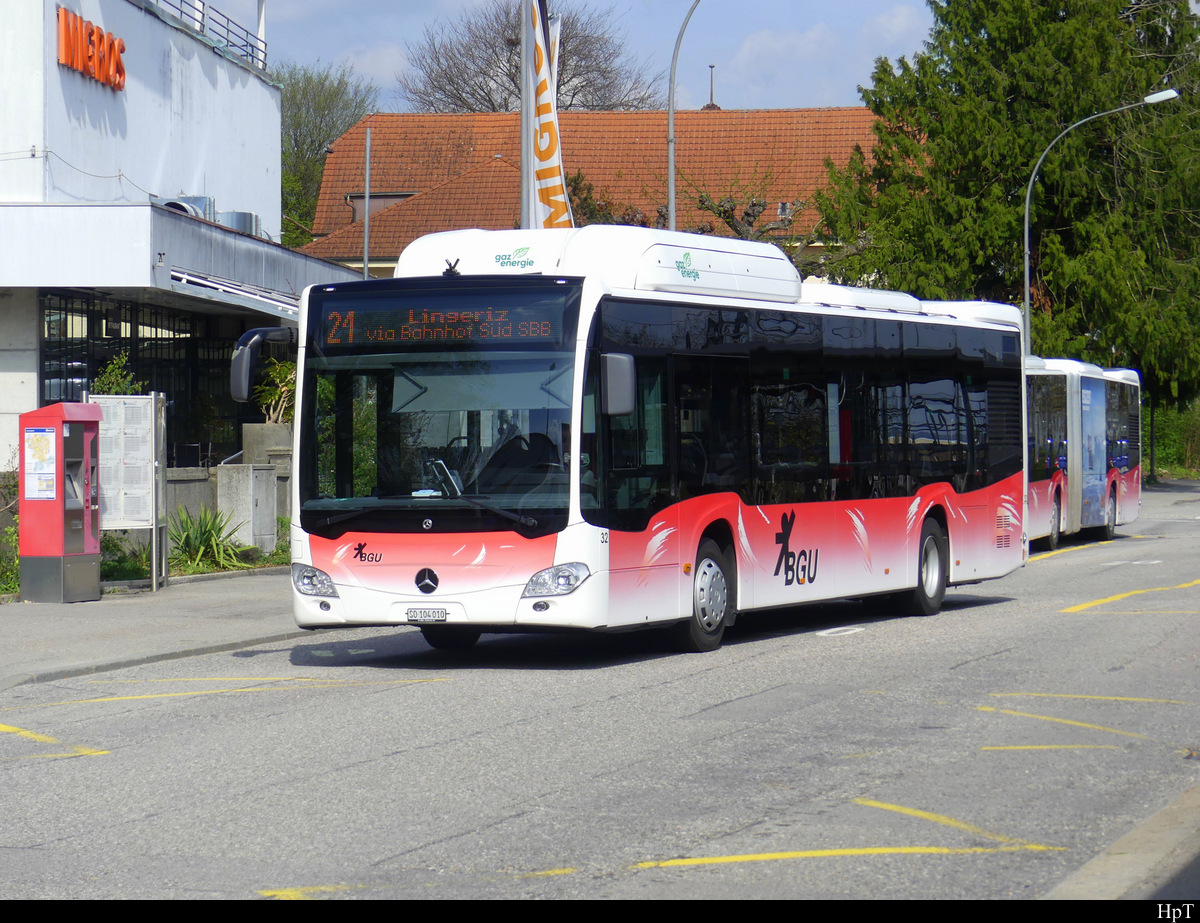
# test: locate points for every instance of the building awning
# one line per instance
(157, 253)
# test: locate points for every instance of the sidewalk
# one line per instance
(194, 615)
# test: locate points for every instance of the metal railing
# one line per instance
(218, 28)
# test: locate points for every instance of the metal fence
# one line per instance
(218, 28)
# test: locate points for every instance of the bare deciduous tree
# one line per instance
(473, 64)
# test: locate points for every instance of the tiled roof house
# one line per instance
(437, 172)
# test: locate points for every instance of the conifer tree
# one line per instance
(936, 208)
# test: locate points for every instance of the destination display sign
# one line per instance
(514, 318)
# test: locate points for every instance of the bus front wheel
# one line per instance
(713, 600)
(933, 567)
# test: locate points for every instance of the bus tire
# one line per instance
(713, 600)
(450, 637)
(933, 568)
(1055, 535)
(1110, 521)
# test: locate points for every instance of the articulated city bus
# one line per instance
(1085, 439)
(613, 428)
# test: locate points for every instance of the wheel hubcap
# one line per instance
(711, 594)
(931, 567)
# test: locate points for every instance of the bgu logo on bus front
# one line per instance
(799, 567)
(370, 557)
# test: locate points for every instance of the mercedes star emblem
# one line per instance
(427, 580)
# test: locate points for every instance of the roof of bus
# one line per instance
(1065, 367)
(645, 259)
(619, 257)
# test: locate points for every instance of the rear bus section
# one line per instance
(1084, 448)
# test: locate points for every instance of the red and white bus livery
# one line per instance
(612, 428)
(1084, 448)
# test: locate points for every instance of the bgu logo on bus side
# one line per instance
(799, 567)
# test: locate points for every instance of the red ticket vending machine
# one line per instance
(59, 506)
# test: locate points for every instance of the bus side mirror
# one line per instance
(244, 364)
(619, 384)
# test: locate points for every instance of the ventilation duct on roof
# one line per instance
(246, 222)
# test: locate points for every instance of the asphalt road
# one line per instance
(997, 750)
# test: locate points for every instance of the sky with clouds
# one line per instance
(769, 54)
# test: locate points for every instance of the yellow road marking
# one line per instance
(219, 679)
(302, 894)
(174, 695)
(1101, 698)
(43, 739)
(1050, 554)
(549, 872)
(836, 853)
(943, 820)
(1078, 724)
(1111, 599)
(1057, 747)
(1009, 844)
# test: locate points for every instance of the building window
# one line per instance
(175, 352)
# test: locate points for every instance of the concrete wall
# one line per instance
(246, 494)
(18, 367)
(253, 495)
(191, 488)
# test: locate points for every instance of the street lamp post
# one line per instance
(671, 124)
(1161, 96)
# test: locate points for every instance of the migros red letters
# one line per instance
(85, 47)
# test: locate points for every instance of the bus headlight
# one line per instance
(312, 582)
(558, 580)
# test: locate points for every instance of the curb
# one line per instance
(47, 676)
(1144, 861)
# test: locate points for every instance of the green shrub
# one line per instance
(276, 396)
(283, 543)
(121, 561)
(1176, 436)
(10, 561)
(203, 542)
(117, 378)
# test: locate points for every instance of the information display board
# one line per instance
(132, 441)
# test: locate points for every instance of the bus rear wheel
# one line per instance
(1110, 523)
(933, 568)
(1055, 535)
(713, 600)
(450, 637)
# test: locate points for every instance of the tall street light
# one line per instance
(1161, 96)
(671, 124)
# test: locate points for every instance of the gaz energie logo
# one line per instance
(685, 267)
(514, 260)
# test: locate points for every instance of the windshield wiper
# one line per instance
(450, 487)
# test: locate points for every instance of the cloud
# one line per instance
(898, 31)
(784, 69)
(379, 63)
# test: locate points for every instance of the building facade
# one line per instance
(139, 205)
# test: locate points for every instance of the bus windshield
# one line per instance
(452, 415)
